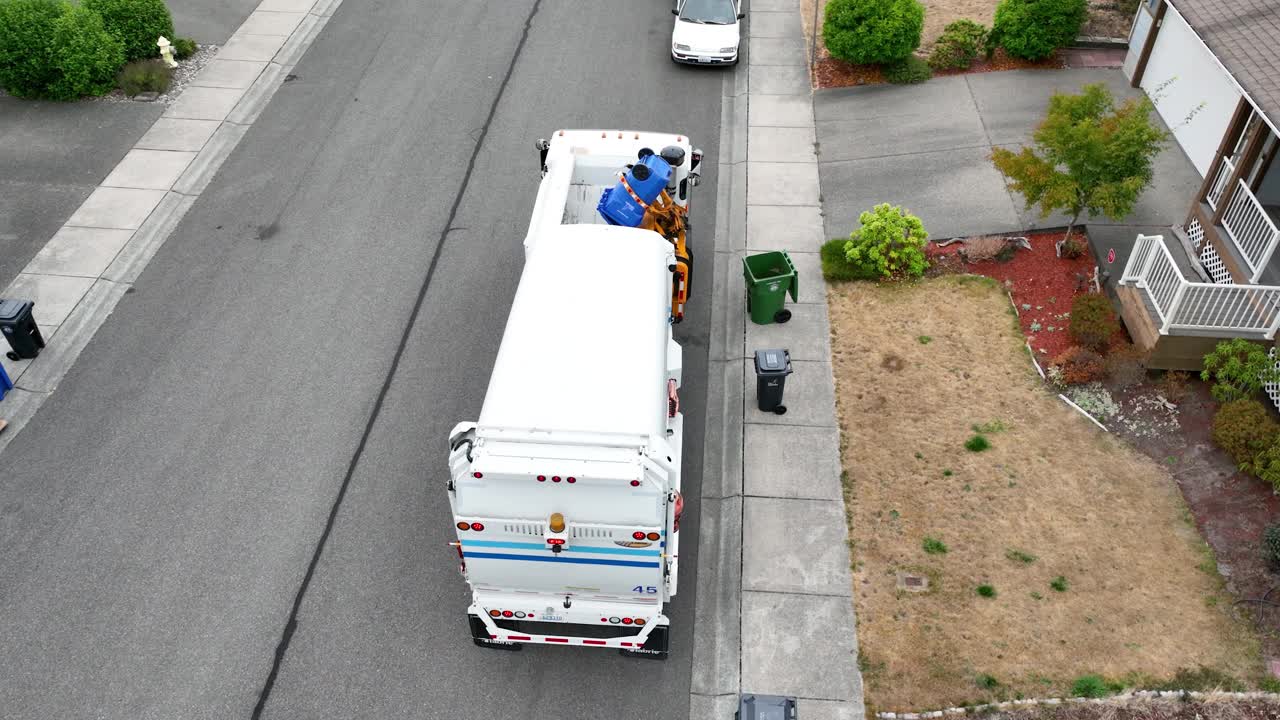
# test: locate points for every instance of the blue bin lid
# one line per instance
(13, 310)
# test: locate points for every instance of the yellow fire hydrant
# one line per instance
(166, 51)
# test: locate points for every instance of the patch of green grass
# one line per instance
(986, 591)
(947, 472)
(1269, 684)
(1202, 678)
(934, 546)
(894, 514)
(1019, 557)
(1059, 584)
(836, 266)
(1090, 686)
(924, 339)
(991, 428)
(986, 682)
(967, 488)
(1036, 596)
(919, 456)
(1211, 601)
(977, 443)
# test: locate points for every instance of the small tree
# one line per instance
(889, 243)
(1238, 369)
(872, 31)
(1089, 155)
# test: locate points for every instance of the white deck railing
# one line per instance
(1251, 229)
(1225, 171)
(1251, 311)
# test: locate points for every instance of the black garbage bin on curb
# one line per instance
(765, 707)
(18, 326)
(772, 369)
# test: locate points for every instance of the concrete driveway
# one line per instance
(927, 148)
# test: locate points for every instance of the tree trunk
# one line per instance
(1071, 226)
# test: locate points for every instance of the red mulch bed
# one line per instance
(1042, 285)
(829, 72)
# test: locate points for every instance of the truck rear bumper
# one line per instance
(651, 639)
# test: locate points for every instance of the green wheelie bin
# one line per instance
(770, 276)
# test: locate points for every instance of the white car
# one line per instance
(706, 32)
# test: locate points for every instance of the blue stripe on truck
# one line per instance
(561, 559)
(538, 546)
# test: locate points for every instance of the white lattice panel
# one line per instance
(1196, 232)
(1214, 265)
(1273, 389)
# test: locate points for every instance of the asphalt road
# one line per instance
(258, 433)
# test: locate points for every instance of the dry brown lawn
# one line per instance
(1143, 597)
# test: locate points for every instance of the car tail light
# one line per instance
(555, 541)
(479, 527)
(555, 478)
(542, 478)
(639, 621)
(651, 536)
(508, 613)
(477, 475)
(626, 621)
(637, 535)
(571, 480)
(495, 613)
(464, 526)
(604, 620)
(635, 483)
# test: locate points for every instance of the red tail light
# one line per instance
(508, 613)
(477, 475)
(604, 620)
(555, 541)
(464, 526)
(478, 527)
(626, 621)
(637, 535)
(555, 478)
(651, 536)
(571, 480)
(542, 478)
(635, 483)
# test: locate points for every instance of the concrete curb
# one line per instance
(150, 192)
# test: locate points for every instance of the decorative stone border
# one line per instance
(1124, 699)
(1094, 42)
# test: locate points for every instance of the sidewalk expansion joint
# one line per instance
(802, 593)
(907, 154)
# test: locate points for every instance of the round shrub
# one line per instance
(145, 76)
(184, 48)
(26, 63)
(87, 56)
(910, 71)
(1244, 429)
(1271, 544)
(1079, 365)
(1093, 321)
(960, 43)
(890, 242)
(1033, 29)
(872, 31)
(137, 24)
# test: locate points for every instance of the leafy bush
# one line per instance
(1093, 321)
(137, 24)
(872, 31)
(1126, 366)
(26, 63)
(909, 71)
(960, 43)
(1238, 369)
(1034, 29)
(889, 243)
(1244, 429)
(184, 48)
(1072, 249)
(145, 76)
(85, 55)
(836, 266)
(1059, 584)
(977, 444)
(1271, 544)
(1267, 465)
(934, 546)
(1019, 557)
(986, 682)
(986, 591)
(1077, 366)
(1091, 686)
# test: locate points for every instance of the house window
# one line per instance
(1153, 5)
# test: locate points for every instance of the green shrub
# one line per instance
(890, 242)
(26, 60)
(1244, 429)
(85, 54)
(137, 24)
(909, 71)
(934, 546)
(836, 266)
(1091, 686)
(872, 31)
(986, 682)
(184, 48)
(986, 591)
(1238, 369)
(1267, 465)
(1093, 321)
(960, 43)
(1059, 584)
(1019, 557)
(145, 76)
(977, 443)
(1034, 29)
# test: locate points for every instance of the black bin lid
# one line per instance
(766, 707)
(13, 310)
(773, 361)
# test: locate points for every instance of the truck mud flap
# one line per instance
(655, 648)
(480, 636)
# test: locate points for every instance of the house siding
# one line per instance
(1179, 55)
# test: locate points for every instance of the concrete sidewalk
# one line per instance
(773, 538)
(927, 148)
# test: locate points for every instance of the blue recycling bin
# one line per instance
(5, 383)
(646, 179)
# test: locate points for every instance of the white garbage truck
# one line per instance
(566, 492)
